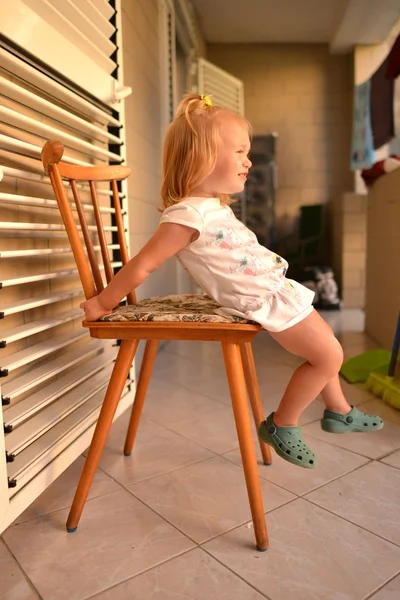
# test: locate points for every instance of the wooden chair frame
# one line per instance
(235, 339)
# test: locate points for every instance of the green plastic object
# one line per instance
(385, 387)
(358, 368)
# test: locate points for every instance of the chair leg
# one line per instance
(237, 386)
(253, 390)
(149, 357)
(115, 387)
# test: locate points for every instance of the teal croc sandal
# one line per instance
(353, 422)
(288, 443)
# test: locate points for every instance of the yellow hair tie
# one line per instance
(206, 100)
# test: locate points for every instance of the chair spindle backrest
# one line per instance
(87, 262)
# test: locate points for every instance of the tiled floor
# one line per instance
(172, 521)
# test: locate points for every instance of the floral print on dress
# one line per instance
(225, 238)
(249, 265)
(295, 294)
(278, 260)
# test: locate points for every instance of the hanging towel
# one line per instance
(381, 167)
(362, 149)
(382, 101)
(393, 64)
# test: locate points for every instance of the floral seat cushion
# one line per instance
(185, 308)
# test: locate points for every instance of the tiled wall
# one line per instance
(349, 228)
(304, 94)
(383, 252)
(140, 27)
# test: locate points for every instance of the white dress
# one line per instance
(229, 264)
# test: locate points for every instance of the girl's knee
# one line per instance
(331, 358)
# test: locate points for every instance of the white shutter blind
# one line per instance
(167, 61)
(52, 375)
(76, 39)
(225, 89)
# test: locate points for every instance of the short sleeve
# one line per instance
(183, 214)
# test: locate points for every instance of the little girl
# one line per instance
(205, 160)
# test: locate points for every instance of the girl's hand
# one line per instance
(93, 309)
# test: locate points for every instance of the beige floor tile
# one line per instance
(265, 350)
(375, 406)
(205, 499)
(61, 492)
(124, 547)
(391, 591)
(161, 386)
(193, 576)
(355, 394)
(373, 445)
(168, 367)
(200, 419)
(208, 377)
(13, 583)
(357, 345)
(313, 412)
(157, 450)
(118, 537)
(314, 555)
(393, 459)
(332, 463)
(206, 352)
(275, 379)
(354, 343)
(197, 376)
(369, 497)
(344, 321)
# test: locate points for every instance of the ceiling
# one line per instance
(341, 23)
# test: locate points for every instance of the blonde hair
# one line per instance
(190, 148)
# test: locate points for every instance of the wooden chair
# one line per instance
(235, 337)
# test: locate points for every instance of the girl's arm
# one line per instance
(168, 240)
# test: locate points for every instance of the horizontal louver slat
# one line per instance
(225, 89)
(28, 407)
(46, 202)
(25, 357)
(101, 19)
(55, 90)
(12, 117)
(39, 277)
(90, 34)
(30, 303)
(23, 331)
(32, 460)
(44, 252)
(46, 227)
(37, 375)
(11, 144)
(13, 91)
(31, 430)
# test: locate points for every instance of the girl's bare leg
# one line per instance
(333, 397)
(313, 340)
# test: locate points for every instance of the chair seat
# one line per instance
(185, 308)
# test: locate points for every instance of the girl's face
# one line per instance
(232, 166)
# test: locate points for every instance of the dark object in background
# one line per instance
(382, 102)
(321, 280)
(256, 205)
(309, 238)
